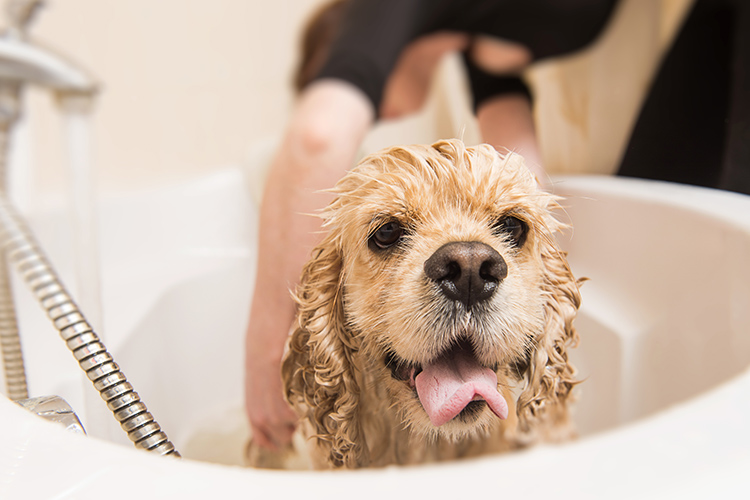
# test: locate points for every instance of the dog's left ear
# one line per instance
(319, 369)
(543, 405)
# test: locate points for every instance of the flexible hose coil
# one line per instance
(21, 249)
(10, 342)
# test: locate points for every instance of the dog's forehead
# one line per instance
(414, 179)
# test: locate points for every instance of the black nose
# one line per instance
(467, 271)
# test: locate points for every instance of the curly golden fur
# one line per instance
(369, 317)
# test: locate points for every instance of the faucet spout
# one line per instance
(24, 63)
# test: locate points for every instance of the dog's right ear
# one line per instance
(318, 370)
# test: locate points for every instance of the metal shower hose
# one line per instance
(21, 249)
(10, 342)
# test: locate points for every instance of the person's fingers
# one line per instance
(283, 436)
(261, 439)
(498, 56)
(273, 437)
(272, 423)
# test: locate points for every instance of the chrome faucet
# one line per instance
(24, 62)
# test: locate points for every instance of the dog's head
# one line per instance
(440, 278)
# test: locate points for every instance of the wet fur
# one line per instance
(356, 305)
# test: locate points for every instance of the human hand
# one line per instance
(409, 83)
(272, 421)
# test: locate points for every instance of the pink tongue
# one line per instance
(448, 384)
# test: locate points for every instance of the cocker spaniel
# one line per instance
(435, 317)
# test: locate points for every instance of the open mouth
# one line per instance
(402, 369)
(454, 384)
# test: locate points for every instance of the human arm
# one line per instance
(502, 101)
(324, 133)
(507, 121)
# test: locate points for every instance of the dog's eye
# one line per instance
(386, 236)
(513, 228)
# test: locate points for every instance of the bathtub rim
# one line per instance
(689, 454)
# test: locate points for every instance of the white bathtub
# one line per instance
(665, 329)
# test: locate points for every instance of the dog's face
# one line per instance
(441, 279)
(441, 267)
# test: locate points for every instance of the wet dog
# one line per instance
(435, 317)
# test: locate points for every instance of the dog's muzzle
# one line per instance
(466, 271)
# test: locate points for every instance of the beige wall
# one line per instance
(191, 85)
(186, 84)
